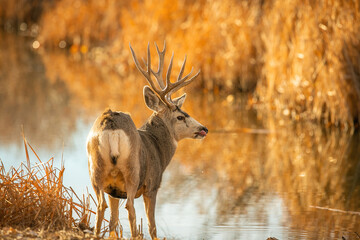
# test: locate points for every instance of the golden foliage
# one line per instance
(81, 22)
(301, 57)
(310, 60)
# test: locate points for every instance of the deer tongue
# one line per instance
(202, 133)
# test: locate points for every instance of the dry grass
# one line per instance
(34, 197)
(35, 203)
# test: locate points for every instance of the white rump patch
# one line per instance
(114, 143)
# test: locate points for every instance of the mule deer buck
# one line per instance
(126, 162)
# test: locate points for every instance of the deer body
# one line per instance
(126, 162)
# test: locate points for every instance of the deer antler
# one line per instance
(165, 91)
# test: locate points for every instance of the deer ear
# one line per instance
(180, 100)
(152, 101)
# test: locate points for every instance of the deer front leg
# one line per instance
(149, 202)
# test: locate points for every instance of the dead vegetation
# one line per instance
(34, 197)
(36, 204)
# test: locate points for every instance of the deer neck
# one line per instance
(156, 132)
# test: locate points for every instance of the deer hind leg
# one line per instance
(100, 209)
(131, 185)
(149, 202)
(114, 216)
(131, 191)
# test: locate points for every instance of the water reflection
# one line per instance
(29, 99)
(302, 164)
(233, 185)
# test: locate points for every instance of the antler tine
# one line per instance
(182, 69)
(137, 62)
(179, 79)
(168, 73)
(149, 61)
(146, 74)
(158, 74)
(180, 84)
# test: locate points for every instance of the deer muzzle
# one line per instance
(202, 132)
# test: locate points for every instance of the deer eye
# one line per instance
(181, 118)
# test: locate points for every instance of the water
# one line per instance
(253, 177)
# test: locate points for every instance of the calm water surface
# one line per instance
(251, 178)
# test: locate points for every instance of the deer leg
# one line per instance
(131, 188)
(100, 209)
(132, 216)
(149, 202)
(114, 216)
(131, 213)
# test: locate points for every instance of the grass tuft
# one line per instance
(34, 197)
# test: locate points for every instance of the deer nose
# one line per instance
(205, 129)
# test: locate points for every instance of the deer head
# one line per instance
(158, 98)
